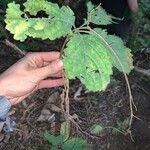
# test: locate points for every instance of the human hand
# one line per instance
(133, 5)
(29, 74)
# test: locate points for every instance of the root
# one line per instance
(65, 106)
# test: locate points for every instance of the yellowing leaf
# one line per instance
(65, 130)
(34, 6)
(86, 58)
(58, 24)
(120, 55)
(18, 26)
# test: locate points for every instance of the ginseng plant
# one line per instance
(89, 54)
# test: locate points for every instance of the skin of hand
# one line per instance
(30, 74)
(133, 5)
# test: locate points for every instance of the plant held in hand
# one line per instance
(88, 54)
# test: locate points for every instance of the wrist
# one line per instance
(2, 89)
(5, 106)
(2, 93)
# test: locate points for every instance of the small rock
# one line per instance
(48, 109)
(54, 108)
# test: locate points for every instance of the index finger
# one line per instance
(46, 56)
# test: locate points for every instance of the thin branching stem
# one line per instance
(88, 30)
(126, 78)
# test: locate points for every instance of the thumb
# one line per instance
(50, 69)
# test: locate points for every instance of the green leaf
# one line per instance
(98, 15)
(117, 131)
(58, 24)
(90, 6)
(65, 129)
(75, 144)
(124, 125)
(96, 129)
(53, 147)
(15, 23)
(86, 58)
(121, 127)
(34, 6)
(120, 56)
(54, 140)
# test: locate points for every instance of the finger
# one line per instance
(47, 71)
(58, 74)
(19, 99)
(46, 64)
(46, 56)
(50, 83)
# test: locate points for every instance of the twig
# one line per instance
(17, 49)
(70, 118)
(24, 104)
(64, 44)
(3, 31)
(65, 109)
(81, 130)
(142, 71)
(78, 93)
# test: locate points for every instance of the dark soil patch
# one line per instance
(7, 57)
(104, 108)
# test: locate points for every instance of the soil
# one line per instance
(106, 108)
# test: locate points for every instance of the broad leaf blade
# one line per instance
(86, 58)
(54, 140)
(98, 15)
(34, 6)
(15, 23)
(75, 144)
(58, 24)
(120, 55)
(96, 129)
(65, 130)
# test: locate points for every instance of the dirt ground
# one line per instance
(104, 108)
